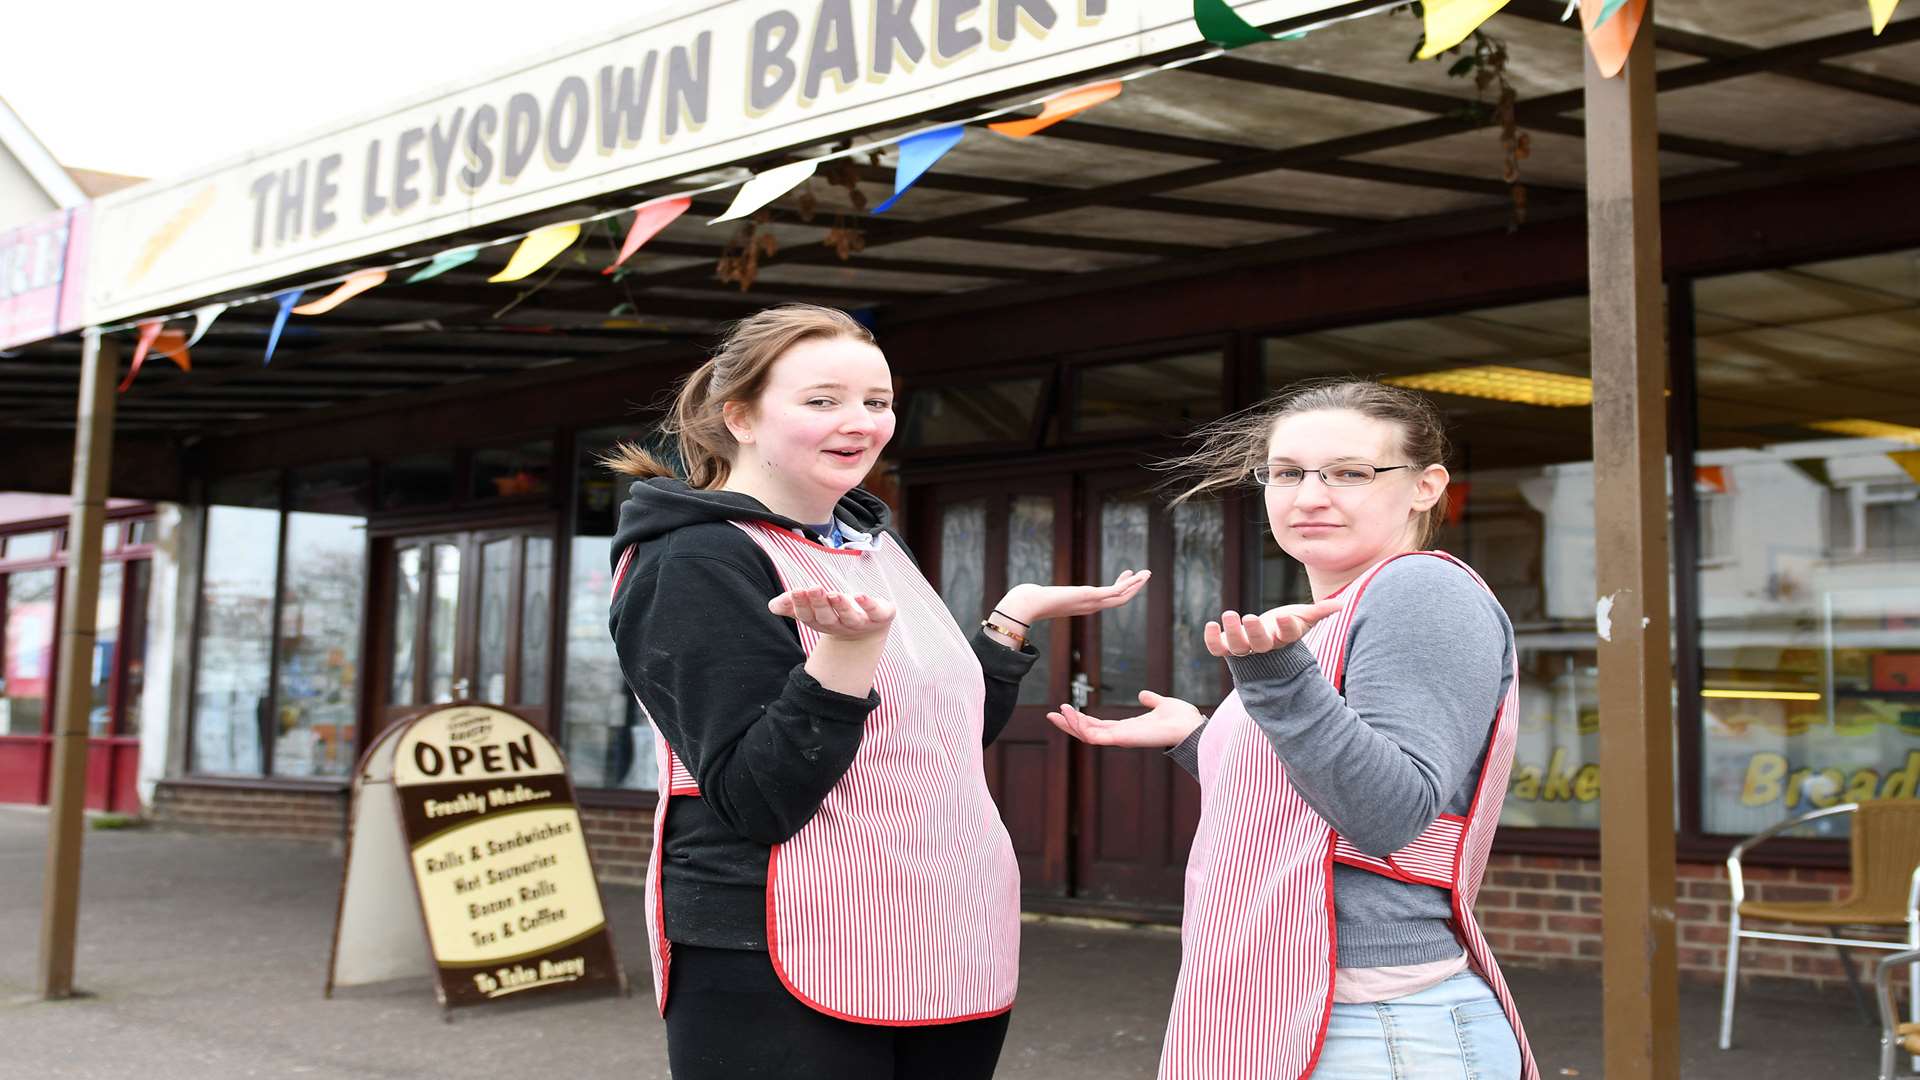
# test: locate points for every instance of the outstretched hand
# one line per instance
(1030, 603)
(851, 618)
(1235, 635)
(1167, 722)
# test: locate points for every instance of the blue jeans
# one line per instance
(1453, 1031)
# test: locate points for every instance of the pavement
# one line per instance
(203, 958)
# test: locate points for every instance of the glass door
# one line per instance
(468, 618)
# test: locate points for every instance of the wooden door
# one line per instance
(978, 540)
(1135, 811)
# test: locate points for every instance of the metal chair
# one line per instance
(1885, 893)
(1894, 1035)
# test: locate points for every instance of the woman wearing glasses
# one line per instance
(1352, 782)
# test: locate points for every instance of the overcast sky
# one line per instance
(155, 88)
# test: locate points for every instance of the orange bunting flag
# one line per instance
(148, 331)
(648, 220)
(355, 284)
(1058, 108)
(172, 344)
(1882, 13)
(540, 247)
(1612, 40)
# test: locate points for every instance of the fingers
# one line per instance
(831, 612)
(1088, 729)
(1150, 699)
(1215, 641)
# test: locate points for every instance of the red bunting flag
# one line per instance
(648, 220)
(172, 345)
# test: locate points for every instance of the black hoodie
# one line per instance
(724, 680)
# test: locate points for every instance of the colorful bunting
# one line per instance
(917, 155)
(287, 300)
(148, 331)
(765, 187)
(1611, 43)
(1882, 12)
(357, 282)
(1224, 27)
(443, 262)
(1058, 108)
(648, 220)
(1450, 22)
(540, 247)
(203, 321)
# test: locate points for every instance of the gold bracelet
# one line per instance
(1019, 640)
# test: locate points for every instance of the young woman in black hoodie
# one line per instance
(833, 892)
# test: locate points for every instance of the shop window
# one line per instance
(106, 645)
(231, 709)
(1030, 531)
(26, 649)
(512, 472)
(140, 532)
(1811, 617)
(1143, 395)
(1512, 384)
(419, 482)
(30, 546)
(1000, 412)
(609, 744)
(321, 600)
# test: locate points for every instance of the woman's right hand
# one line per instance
(1167, 722)
(849, 618)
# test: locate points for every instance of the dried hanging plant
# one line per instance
(751, 242)
(845, 237)
(1487, 63)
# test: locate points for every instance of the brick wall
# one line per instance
(295, 815)
(1544, 911)
(1538, 911)
(620, 839)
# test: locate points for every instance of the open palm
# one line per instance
(1167, 722)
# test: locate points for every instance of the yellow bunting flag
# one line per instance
(1612, 40)
(1058, 108)
(1882, 12)
(1450, 22)
(537, 250)
(765, 187)
(355, 284)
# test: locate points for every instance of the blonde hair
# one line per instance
(737, 371)
(1233, 445)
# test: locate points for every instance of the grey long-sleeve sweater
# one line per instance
(1429, 657)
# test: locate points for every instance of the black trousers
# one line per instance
(728, 1016)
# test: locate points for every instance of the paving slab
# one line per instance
(203, 958)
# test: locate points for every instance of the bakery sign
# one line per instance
(691, 88)
(468, 809)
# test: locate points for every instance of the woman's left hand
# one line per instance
(1235, 635)
(1029, 603)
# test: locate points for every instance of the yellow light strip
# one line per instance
(1499, 383)
(1764, 695)
(1869, 429)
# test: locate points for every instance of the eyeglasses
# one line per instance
(1349, 474)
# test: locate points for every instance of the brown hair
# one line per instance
(1232, 445)
(737, 371)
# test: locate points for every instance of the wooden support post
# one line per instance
(1640, 1010)
(73, 693)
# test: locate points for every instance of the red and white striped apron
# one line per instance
(1257, 939)
(899, 902)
